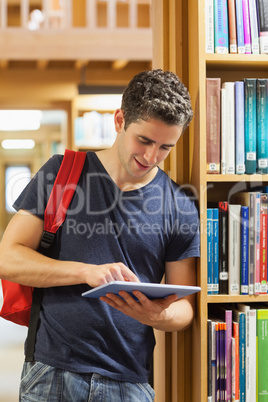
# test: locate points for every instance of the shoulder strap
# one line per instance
(58, 203)
(62, 193)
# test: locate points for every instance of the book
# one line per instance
(223, 247)
(230, 126)
(239, 128)
(239, 317)
(240, 27)
(262, 355)
(250, 125)
(247, 198)
(221, 31)
(254, 27)
(246, 22)
(215, 251)
(225, 315)
(234, 244)
(223, 131)
(213, 129)
(262, 124)
(209, 15)
(263, 18)
(209, 359)
(244, 249)
(232, 26)
(263, 242)
(235, 386)
(209, 250)
(222, 375)
(250, 369)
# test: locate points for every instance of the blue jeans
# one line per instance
(42, 383)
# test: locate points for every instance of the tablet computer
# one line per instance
(151, 290)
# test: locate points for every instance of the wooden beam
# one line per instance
(80, 63)
(18, 44)
(119, 64)
(42, 64)
(4, 64)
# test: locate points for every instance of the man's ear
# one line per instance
(119, 120)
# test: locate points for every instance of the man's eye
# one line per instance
(143, 141)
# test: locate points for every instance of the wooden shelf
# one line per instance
(258, 178)
(236, 298)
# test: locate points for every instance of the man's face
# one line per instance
(145, 144)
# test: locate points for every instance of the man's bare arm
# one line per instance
(21, 263)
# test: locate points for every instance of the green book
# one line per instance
(262, 355)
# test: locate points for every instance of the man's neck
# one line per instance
(122, 179)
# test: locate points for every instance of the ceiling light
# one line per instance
(18, 144)
(20, 120)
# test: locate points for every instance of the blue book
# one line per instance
(209, 250)
(250, 125)
(239, 27)
(262, 125)
(244, 249)
(239, 128)
(240, 317)
(215, 253)
(221, 35)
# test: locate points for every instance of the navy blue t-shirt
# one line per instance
(142, 228)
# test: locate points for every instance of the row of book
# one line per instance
(237, 126)
(236, 26)
(94, 129)
(238, 353)
(237, 245)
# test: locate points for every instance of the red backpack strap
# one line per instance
(62, 193)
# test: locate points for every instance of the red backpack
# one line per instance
(18, 299)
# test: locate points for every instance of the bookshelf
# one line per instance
(211, 187)
(85, 104)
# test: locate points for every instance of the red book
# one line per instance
(232, 26)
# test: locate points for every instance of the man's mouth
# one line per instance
(141, 166)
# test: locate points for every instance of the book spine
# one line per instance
(263, 18)
(235, 396)
(223, 247)
(232, 26)
(262, 347)
(239, 128)
(234, 246)
(209, 250)
(240, 27)
(223, 131)
(217, 330)
(263, 243)
(251, 238)
(214, 361)
(209, 15)
(252, 356)
(222, 361)
(228, 354)
(230, 127)
(213, 124)
(246, 21)
(242, 354)
(244, 250)
(250, 125)
(254, 27)
(215, 253)
(209, 362)
(257, 244)
(262, 124)
(221, 26)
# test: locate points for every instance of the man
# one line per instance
(127, 221)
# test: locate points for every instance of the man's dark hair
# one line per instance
(157, 94)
